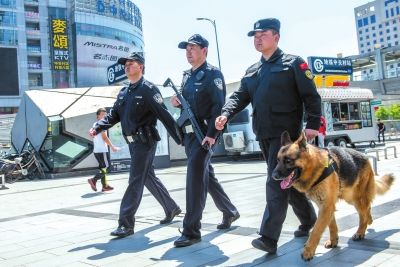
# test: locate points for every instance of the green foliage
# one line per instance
(395, 111)
(382, 113)
(389, 112)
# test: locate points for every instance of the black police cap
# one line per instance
(196, 39)
(136, 56)
(265, 24)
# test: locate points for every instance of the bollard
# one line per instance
(3, 182)
(373, 150)
(394, 151)
(374, 164)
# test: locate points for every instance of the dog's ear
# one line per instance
(285, 139)
(302, 141)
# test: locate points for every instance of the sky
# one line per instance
(308, 28)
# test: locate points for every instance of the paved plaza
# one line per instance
(61, 222)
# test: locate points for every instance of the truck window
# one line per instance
(344, 112)
(241, 118)
(335, 112)
(354, 111)
(366, 116)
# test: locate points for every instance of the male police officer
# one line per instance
(277, 87)
(138, 106)
(203, 87)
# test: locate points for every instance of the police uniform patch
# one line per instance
(309, 74)
(158, 98)
(218, 83)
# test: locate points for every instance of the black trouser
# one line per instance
(142, 174)
(383, 136)
(200, 178)
(104, 163)
(278, 199)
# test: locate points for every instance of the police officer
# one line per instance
(203, 87)
(277, 87)
(138, 106)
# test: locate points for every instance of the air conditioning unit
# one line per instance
(234, 141)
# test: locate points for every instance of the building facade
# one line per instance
(378, 26)
(63, 44)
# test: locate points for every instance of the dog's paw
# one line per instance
(307, 254)
(331, 243)
(357, 237)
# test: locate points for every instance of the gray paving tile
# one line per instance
(26, 259)
(32, 250)
(358, 257)
(72, 229)
(393, 261)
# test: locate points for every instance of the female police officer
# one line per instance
(138, 107)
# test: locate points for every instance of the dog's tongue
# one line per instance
(285, 183)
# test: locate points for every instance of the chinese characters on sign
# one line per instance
(123, 9)
(115, 73)
(59, 44)
(327, 65)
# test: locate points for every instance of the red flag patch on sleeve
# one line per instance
(304, 66)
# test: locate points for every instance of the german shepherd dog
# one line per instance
(303, 166)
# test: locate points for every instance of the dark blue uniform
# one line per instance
(205, 91)
(137, 108)
(279, 89)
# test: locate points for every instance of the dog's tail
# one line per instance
(383, 185)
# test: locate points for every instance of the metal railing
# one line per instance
(385, 151)
(374, 163)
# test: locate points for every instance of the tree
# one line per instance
(382, 113)
(395, 111)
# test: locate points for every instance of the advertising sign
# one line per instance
(94, 57)
(329, 65)
(59, 44)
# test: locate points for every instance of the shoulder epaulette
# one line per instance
(253, 69)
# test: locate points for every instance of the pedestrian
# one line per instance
(101, 142)
(277, 86)
(203, 87)
(321, 133)
(137, 108)
(381, 131)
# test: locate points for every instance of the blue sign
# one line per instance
(330, 65)
(115, 73)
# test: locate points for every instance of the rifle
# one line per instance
(187, 114)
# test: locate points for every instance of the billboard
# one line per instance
(9, 72)
(93, 57)
(59, 44)
(330, 65)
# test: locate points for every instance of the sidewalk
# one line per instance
(61, 222)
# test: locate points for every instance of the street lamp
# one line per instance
(216, 37)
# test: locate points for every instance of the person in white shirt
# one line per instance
(101, 142)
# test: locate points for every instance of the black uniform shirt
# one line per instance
(140, 104)
(204, 89)
(277, 88)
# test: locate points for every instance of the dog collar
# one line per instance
(332, 166)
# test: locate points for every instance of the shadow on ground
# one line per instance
(348, 253)
(131, 244)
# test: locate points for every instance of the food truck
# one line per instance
(348, 115)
